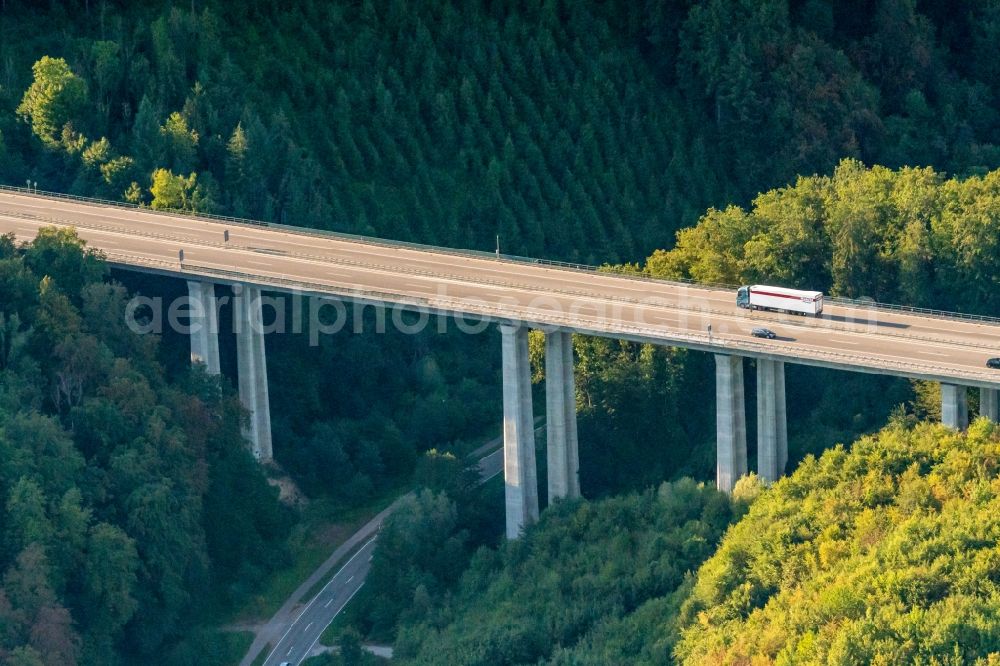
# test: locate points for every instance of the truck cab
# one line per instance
(743, 297)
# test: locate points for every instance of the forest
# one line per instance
(884, 551)
(122, 489)
(584, 131)
(850, 146)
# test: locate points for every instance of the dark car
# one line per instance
(993, 363)
(763, 333)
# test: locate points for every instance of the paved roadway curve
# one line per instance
(844, 337)
(302, 634)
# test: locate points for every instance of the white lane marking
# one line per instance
(679, 314)
(370, 251)
(193, 226)
(343, 246)
(130, 216)
(309, 605)
(307, 627)
(309, 649)
(370, 557)
(846, 342)
(327, 604)
(350, 579)
(289, 650)
(920, 351)
(366, 251)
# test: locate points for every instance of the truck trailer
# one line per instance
(764, 297)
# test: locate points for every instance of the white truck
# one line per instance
(764, 297)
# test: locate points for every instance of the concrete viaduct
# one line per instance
(521, 294)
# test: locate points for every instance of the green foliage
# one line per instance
(172, 192)
(586, 566)
(580, 131)
(907, 236)
(882, 554)
(180, 142)
(454, 122)
(350, 647)
(58, 254)
(625, 393)
(97, 153)
(443, 472)
(54, 100)
(123, 492)
(421, 551)
(356, 410)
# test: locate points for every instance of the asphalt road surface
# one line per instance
(303, 634)
(847, 337)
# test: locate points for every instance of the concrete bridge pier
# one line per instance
(772, 426)
(204, 322)
(560, 419)
(954, 406)
(988, 404)
(519, 471)
(730, 422)
(252, 368)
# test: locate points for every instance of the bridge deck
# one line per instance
(848, 337)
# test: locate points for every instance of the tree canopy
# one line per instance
(882, 554)
(55, 98)
(124, 492)
(907, 236)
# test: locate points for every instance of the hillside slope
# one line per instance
(124, 492)
(586, 131)
(886, 552)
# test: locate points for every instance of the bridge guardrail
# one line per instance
(479, 254)
(579, 321)
(527, 287)
(826, 324)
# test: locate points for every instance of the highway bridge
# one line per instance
(520, 294)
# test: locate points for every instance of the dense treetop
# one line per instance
(884, 554)
(584, 131)
(906, 236)
(584, 566)
(123, 491)
(580, 130)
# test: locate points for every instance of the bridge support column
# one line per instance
(560, 420)
(988, 404)
(730, 422)
(781, 407)
(204, 325)
(520, 474)
(252, 368)
(954, 406)
(772, 427)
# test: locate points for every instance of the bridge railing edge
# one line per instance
(479, 254)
